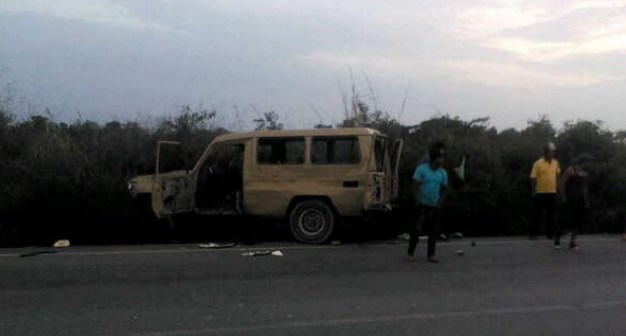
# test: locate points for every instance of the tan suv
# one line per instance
(312, 178)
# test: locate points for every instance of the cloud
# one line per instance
(586, 28)
(94, 11)
(546, 51)
(517, 76)
(493, 74)
(285, 53)
(368, 63)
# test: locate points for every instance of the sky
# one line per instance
(509, 60)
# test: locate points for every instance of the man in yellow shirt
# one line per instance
(544, 177)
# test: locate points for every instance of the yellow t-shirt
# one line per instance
(546, 174)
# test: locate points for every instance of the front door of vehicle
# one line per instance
(172, 190)
(220, 179)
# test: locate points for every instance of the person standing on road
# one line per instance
(431, 181)
(544, 176)
(576, 195)
(439, 145)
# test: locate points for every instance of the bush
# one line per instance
(60, 180)
(70, 180)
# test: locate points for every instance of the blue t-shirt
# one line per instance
(431, 182)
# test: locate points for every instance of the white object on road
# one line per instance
(276, 253)
(460, 252)
(61, 243)
(404, 236)
(216, 245)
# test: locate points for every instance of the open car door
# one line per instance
(172, 192)
(395, 155)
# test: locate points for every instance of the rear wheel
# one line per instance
(312, 222)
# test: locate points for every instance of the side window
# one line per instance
(226, 157)
(335, 150)
(280, 151)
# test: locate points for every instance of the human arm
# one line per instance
(558, 178)
(444, 189)
(534, 174)
(417, 176)
(563, 182)
(586, 196)
(417, 181)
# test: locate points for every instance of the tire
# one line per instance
(312, 222)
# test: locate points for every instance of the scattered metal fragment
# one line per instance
(277, 253)
(61, 243)
(212, 245)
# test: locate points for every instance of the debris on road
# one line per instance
(61, 243)
(460, 252)
(404, 236)
(216, 245)
(473, 243)
(277, 253)
(32, 254)
(256, 253)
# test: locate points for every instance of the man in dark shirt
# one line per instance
(575, 191)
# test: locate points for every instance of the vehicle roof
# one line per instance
(300, 133)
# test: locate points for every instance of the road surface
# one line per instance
(499, 287)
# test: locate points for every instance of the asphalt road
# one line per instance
(499, 287)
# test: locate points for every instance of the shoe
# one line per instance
(432, 260)
(573, 246)
(557, 247)
(410, 258)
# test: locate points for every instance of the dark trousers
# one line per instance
(578, 214)
(545, 208)
(428, 220)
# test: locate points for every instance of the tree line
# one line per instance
(71, 177)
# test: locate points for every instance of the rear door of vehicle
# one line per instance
(395, 156)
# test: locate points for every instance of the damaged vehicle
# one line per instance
(310, 178)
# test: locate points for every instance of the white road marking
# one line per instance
(388, 318)
(195, 249)
(179, 250)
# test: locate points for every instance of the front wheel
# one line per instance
(312, 222)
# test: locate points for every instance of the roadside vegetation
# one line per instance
(69, 179)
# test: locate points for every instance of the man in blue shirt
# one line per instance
(431, 181)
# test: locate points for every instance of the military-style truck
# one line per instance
(310, 178)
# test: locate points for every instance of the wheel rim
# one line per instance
(312, 222)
